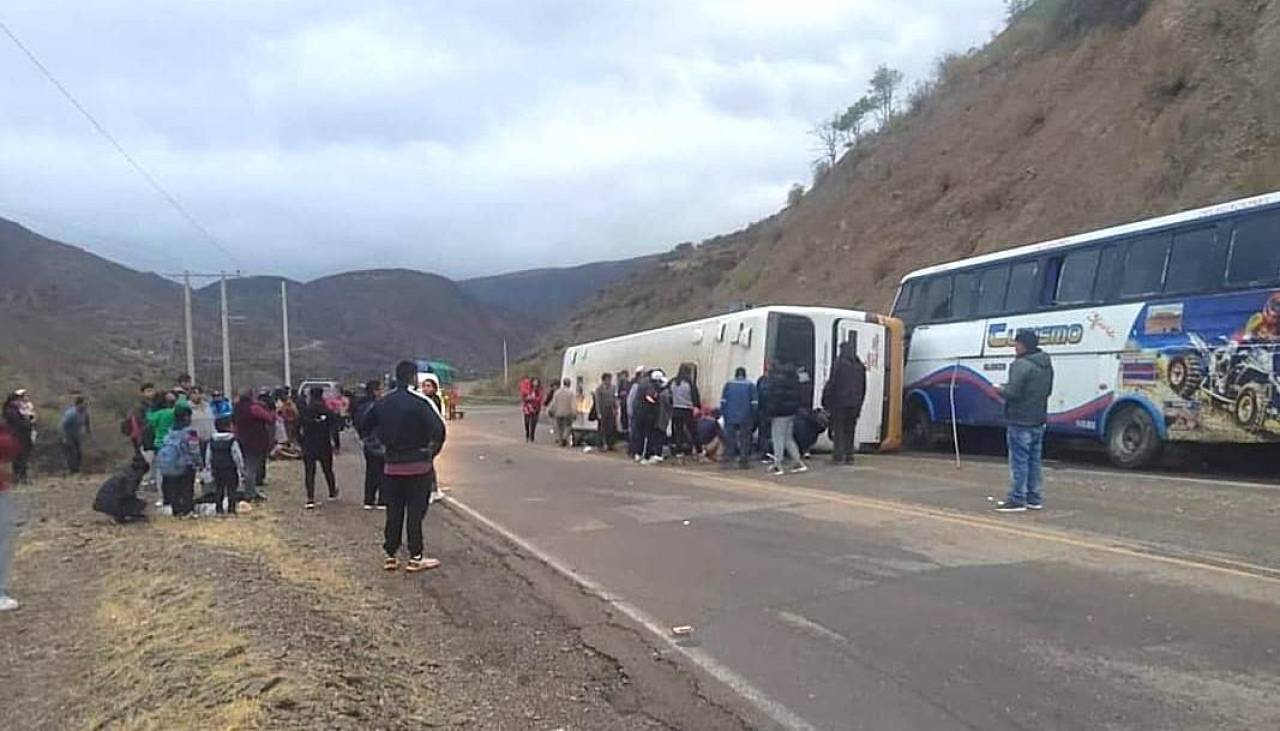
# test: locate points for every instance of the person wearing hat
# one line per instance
(1026, 406)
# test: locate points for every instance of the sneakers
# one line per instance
(436, 497)
(390, 563)
(310, 505)
(382, 506)
(333, 496)
(1006, 506)
(421, 563)
(799, 470)
(367, 506)
(1035, 506)
(8, 603)
(776, 470)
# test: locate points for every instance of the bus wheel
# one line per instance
(917, 427)
(1132, 439)
(1186, 373)
(1249, 407)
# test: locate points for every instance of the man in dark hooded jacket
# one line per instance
(118, 496)
(1026, 406)
(842, 398)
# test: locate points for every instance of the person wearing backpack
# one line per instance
(224, 461)
(317, 432)
(177, 459)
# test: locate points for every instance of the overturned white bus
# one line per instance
(715, 347)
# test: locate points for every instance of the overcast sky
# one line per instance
(463, 138)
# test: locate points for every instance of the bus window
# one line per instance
(1075, 277)
(1255, 250)
(964, 299)
(1144, 266)
(1024, 287)
(904, 308)
(792, 340)
(991, 287)
(1107, 283)
(936, 300)
(1196, 262)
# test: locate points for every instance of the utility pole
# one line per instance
(186, 321)
(226, 340)
(506, 374)
(284, 320)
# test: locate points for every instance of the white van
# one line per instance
(807, 337)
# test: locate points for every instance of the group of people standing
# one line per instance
(660, 417)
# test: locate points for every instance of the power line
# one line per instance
(116, 144)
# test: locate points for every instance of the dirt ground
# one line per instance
(284, 619)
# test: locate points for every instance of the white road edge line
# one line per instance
(773, 709)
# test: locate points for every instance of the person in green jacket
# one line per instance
(160, 421)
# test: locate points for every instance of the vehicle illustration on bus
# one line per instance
(807, 338)
(1162, 330)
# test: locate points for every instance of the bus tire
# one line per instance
(917, 427)
(1250, 407)
(1186, 373)
(1132, 439)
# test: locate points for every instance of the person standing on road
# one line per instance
(842, 398)
(606, 400)
(10, 448)
(371, 445)
(19, 416)
(224, 460)
(413, 434)
(431, 389)
(1026, 407)
(317, 425)
(637, 431)
(75, 426)
(623, 390)
(564, 409)
(685, 399)
(531, 408)
(253, 426)
(784, 399)
(738, 404)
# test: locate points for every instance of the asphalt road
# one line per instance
(888, 596)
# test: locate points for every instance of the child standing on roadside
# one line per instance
(178, 458)
(225, 463)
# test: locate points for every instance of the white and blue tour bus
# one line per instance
(1162, 330)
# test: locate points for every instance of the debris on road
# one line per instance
(682, 630)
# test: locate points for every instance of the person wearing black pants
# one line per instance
(371, 445)
(842, 397)
(317, 426)
(412, 433)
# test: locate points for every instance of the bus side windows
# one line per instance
(937, 300)
(904, 308)
(1144, 266)
(1106, 285)
(1076, 277)
(1024, 287)
(1196, 262)
(991, 289)
(1255, 250)
(964, 298)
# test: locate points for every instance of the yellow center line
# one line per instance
(1227, 566)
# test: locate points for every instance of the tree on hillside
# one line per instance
(794, 195)
(1015, 8)
(831, 140)
(851, 121)
(884, 88)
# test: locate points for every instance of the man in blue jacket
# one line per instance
(738, 404)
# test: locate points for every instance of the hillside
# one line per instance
(548, 295)
(1084, 113)
(71, 320)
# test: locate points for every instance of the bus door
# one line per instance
(791, 342)
(869, 342)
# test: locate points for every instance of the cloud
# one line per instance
(461, 138)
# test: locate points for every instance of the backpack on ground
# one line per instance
(174, 457)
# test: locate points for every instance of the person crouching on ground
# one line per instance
(317, 431)
(708, 434)
(118, 496)
(564, 409)
(178, 458)
(224, 460)
(413, 434)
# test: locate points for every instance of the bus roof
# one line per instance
(783, 309)
(1127, 229)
